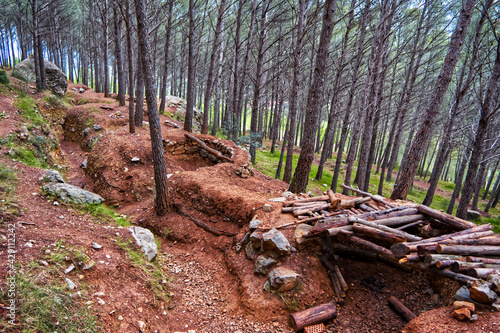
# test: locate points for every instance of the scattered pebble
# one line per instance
(96, 246)
(71, 284)
(69, 269)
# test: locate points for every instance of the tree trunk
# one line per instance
(118, 53)
(139, 91)
(314, 101)
(160, 171)
(292, 109)
(131, 116)
(168, 32)
(409, 167)
(191, 92)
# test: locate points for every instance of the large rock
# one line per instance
(473, 215)
(283, 279)
(480, 292)
(180, 104)
(56, 80)
(276, 243)
(69, 193)
(262, 264)
(146, 240)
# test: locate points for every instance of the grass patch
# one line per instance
(45, 303)
(8, 183)
(106, 213)
(29, 110)
(28, 158)
(153, 270)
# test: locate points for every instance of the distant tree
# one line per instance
(314, 101)
(409, 166)
(160, 171)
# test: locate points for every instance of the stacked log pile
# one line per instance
(410, 237)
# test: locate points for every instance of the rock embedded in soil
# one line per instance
(283, 279)
(462, 304)
(53, 176)
(146, 240)
(300, 231)
(263, 263)
(254, 224)
(276, 243)
(480, 292)
(69, 193)
(472, 215)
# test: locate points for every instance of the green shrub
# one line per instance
(4, 79)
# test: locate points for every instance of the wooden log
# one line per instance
(401, 309)
(375, 208)
(337, 288)
(367, 245)
(432, 259)
(333, 200)
(207, 148)
(366, 194)
(302, 208)
(484, 250)
(450, 220)
(409, 225)
(425, 249)
(307, 204)
(412, 257)
(460, 266)
(353, 203)
(402, 249)
(461, 278)
(340, 278)
(310, 210)
(312, 316)
(494, 261)
(335, 231)
(479, 241)
(311, 199)
(394, 261)
(354, 252)
(378, 234)
(442, 264)
(366, 208)
(410, 237)
(482, 273)
(398, 220)
(202, 224)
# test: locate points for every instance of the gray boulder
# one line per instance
(473, 215)
(283, 279)
(56, 80)
(180, 104)
(276, 243)
(69, 193)
(53, 176)
(146, 240)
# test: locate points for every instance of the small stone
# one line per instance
(83, 165)
(55, 203)
(461, 304)
(135, 159)
(254, 224)
(288, 195)
(462, 314)
(61, 217)
(267, 208)
(141, 324)
(44, 263)
(88, 265)
(99, 293)
(100, 301)
(275, 242)
(300, 231)
(96, 127)
(250, 251)
(69, 269)
(96, 246)
(473, 215)
(120, 317)
(146, 240)
(108, 256)
(71, 284)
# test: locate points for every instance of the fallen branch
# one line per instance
(207, 148)
(201, 224)
(401, 309)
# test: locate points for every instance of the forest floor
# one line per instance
(198, 281)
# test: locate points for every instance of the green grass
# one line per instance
(27, 157)
(153, 271)
(29, 110)
(44, 301)
(8, 183)
(103, 212)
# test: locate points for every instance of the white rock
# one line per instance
(146, 240)
(71, 284)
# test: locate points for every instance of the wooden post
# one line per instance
(401, 309)
(312, 316)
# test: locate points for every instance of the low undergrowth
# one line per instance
(8, 183)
